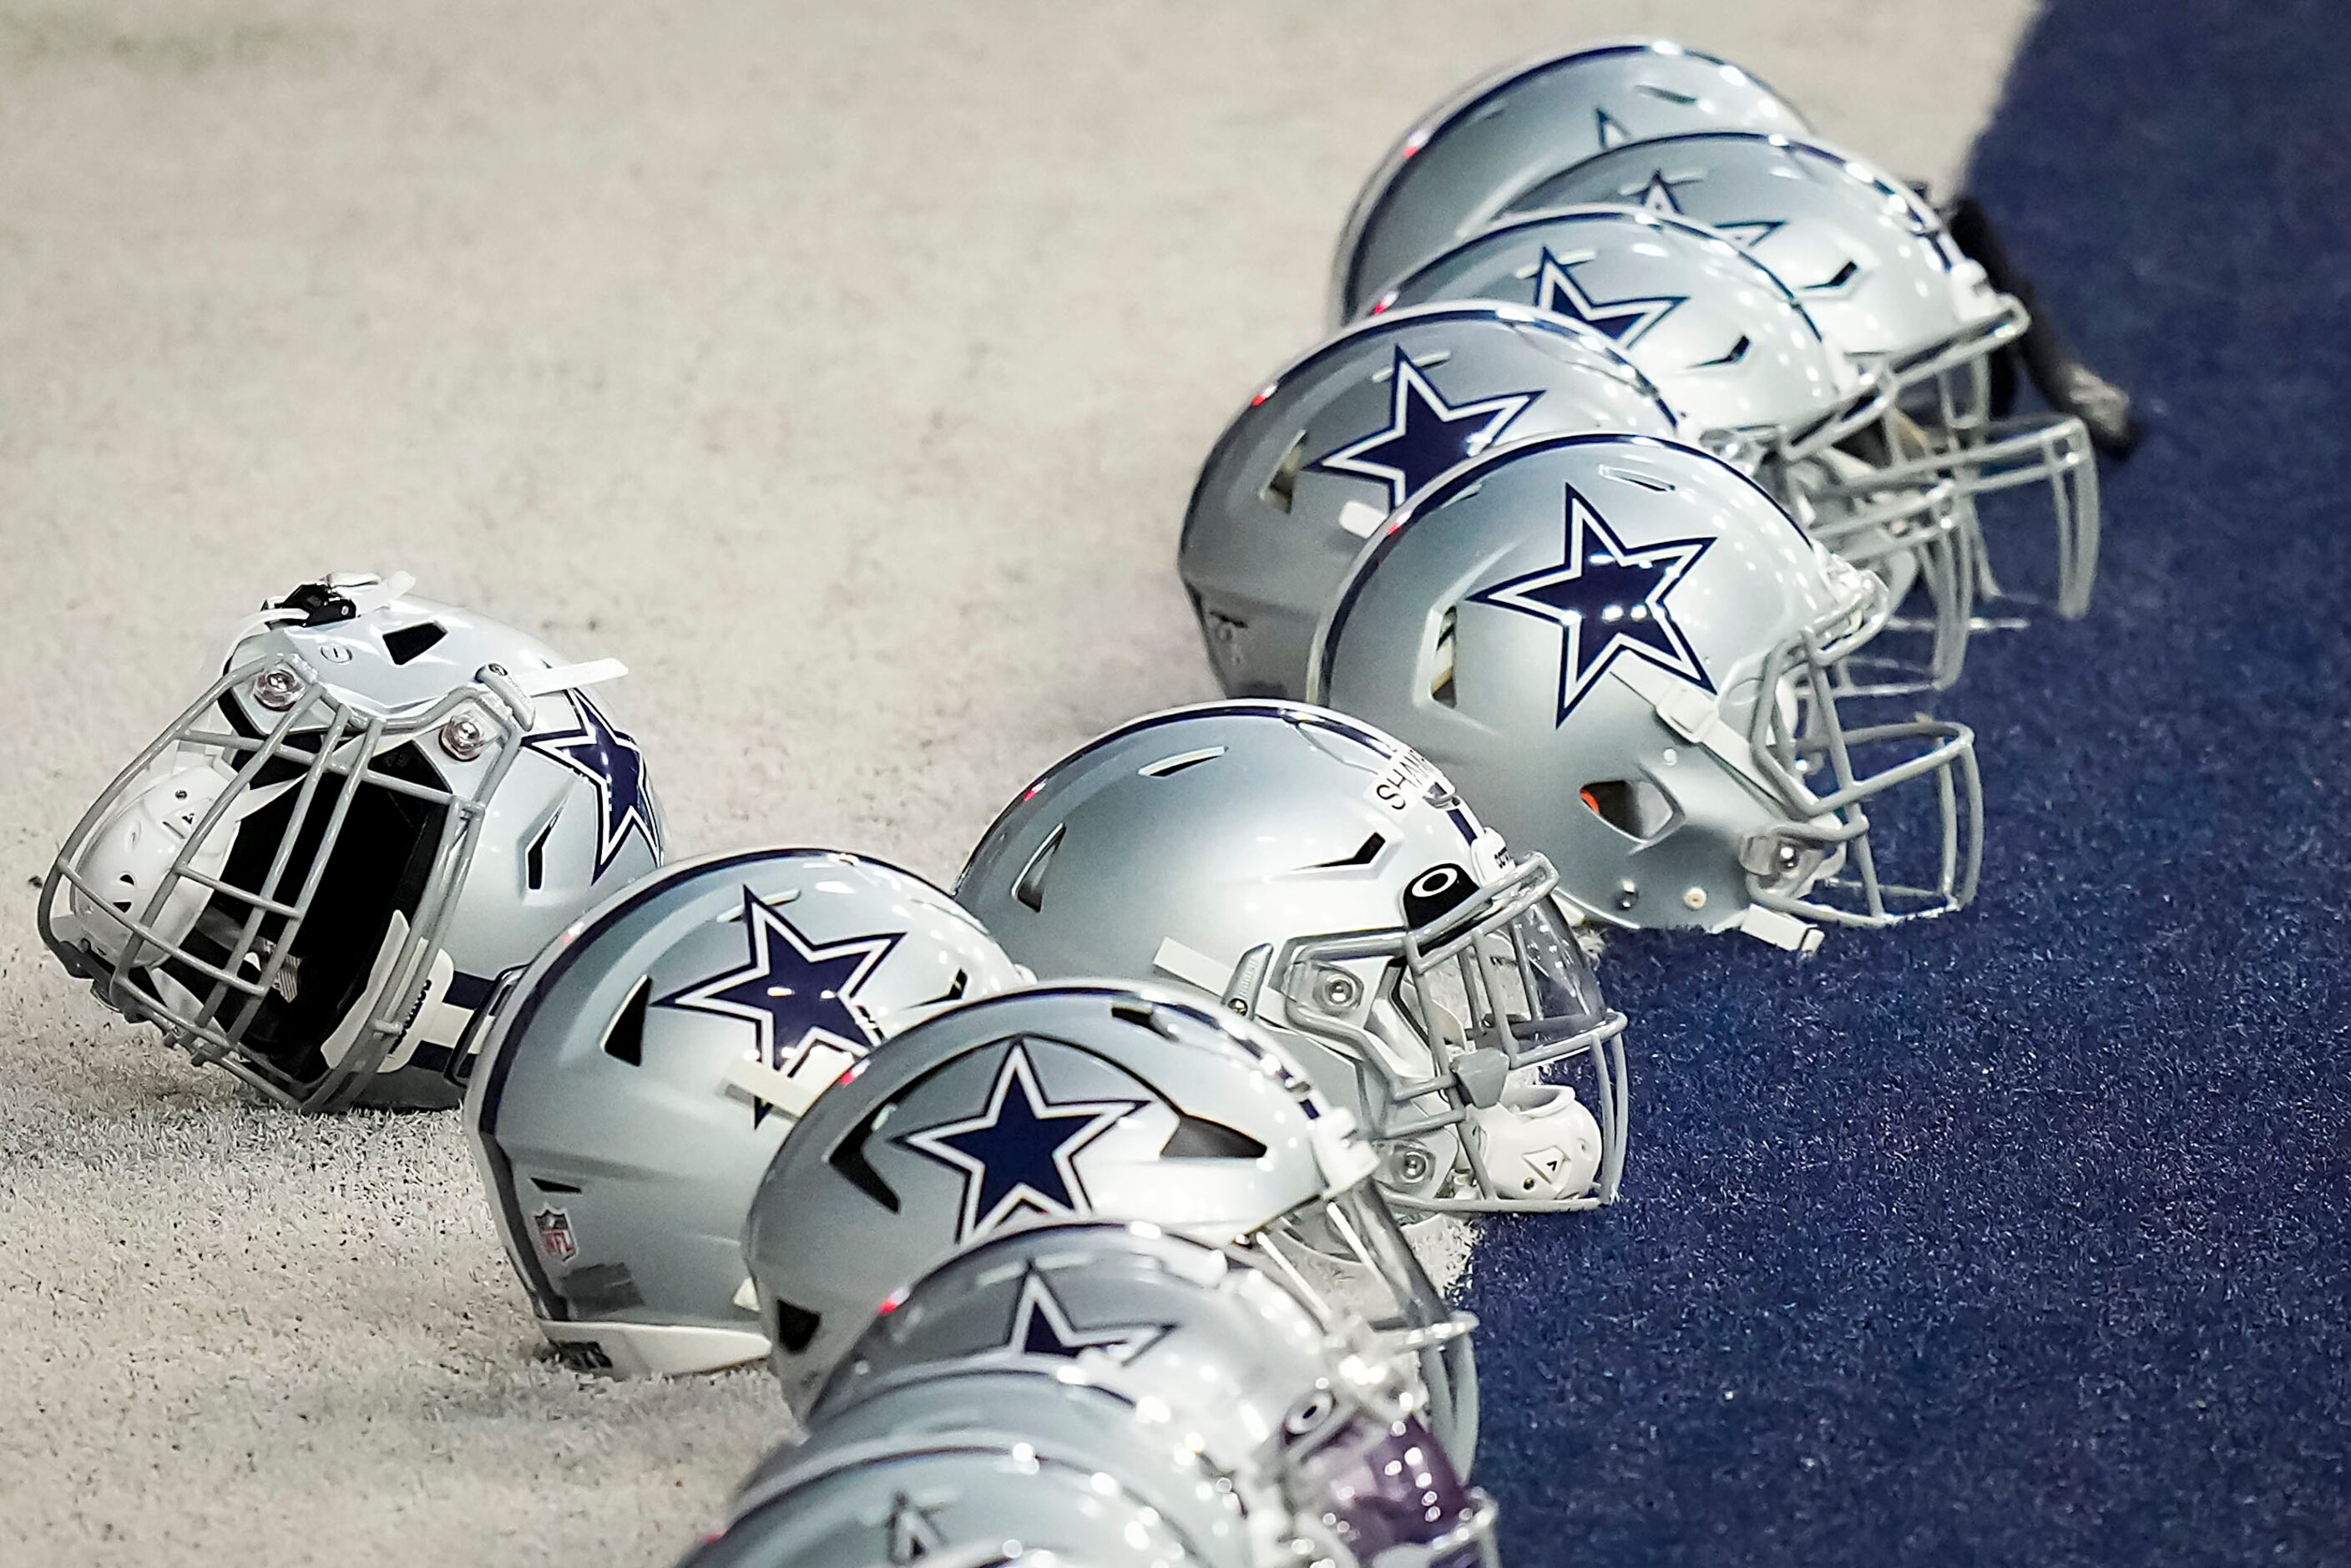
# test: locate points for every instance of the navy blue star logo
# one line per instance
(1424, 435)
(608, 758)
(1020, 1153)
(1041, 1326)
(795, 993)
(1608, 598)
(1622, 321)
(1611, 133)
(1658, 196)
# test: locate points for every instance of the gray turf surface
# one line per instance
(843, 369)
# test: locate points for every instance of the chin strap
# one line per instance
(2071, 386)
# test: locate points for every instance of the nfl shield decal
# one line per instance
(555, 1238)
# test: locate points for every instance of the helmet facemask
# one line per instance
(1330, 1253)
(1822, 863)
(1483, 993)
(207, 927)
(1945, 390)
(1866, 481)
(1373, 1483)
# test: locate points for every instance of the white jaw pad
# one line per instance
(661, 1350)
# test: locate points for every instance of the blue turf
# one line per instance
(2021, 1238)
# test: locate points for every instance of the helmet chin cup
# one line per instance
(1540, 1143)
(129, 858)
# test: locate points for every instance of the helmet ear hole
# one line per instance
(1633, 807)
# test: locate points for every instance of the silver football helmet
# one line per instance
(1733, 349)
(1877, 269)
(1078, 1101)
(638, 1078)
(1202, 1345)
(1457, 168)
(314, 874)
(979, 1498)
(1333, 443)
(1627, 652)
(1325, 879)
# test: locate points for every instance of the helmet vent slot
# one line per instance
(1198, 1138)
(1735, 352)
(1665, 93)
(1029, 886)
(1630, 476)
(1842, 275)
(534, 859)
(543, 1184)
(1365, 853)
(1633, 807)
(1428, 362)
(954, 993)
(1440, 666)
(413, 641)
(1168, 767)
(625, 1040)
(848, 1158)
(1276, 490)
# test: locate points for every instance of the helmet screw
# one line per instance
(1789, 857)
(1412, 1165)
(277, 689)
(1338, 990)
(1628, 893)
(1695, 898)
(463, 737)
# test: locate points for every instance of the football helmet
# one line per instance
(1078, 1101)
(1627, 651)
(314, 874)
(1733, 349)
(982, 1498)
(1333, 443)
(638, 1078)
(1212, 1351)
(1325, 879)
(1455, 169)
(1877, 270)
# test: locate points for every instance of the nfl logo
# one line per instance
(555, 1235)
